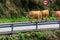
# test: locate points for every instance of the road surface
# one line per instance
(27, 26)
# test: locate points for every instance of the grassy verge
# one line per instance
(8, 20)
(22, 19)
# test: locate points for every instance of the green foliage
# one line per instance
(20, 36)
(57, 2)
(21, 12)
(40, 35)
(22, 19)
(33, 35)
(27, 36)
(3, 38)
(12, 37)
(2, 1)
(1, 12)
(8, 38)
(13, 15)
(25, 3)
(41, 2)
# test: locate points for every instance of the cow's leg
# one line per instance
(42, 20)
(36, 20)
(59, 18)
(56, 19)
(30, 20)
(46, 19)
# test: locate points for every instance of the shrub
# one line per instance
(20, 36)
(43, 35)
(39, 35)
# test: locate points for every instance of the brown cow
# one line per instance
(56, 14)
(34, 14)
(45, 14)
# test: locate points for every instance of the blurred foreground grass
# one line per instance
(34, 35)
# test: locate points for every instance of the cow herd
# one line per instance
(42, 14)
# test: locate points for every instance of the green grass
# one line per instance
(8, 20)
(50, 18)
(22, 19)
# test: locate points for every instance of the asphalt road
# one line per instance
(28, 26)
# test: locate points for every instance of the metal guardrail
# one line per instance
(27, 24)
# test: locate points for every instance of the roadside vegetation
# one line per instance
(22, 19)
(40, 35)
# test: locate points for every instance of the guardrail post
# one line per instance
(36, 26)
(59, 24)
(11, 29)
